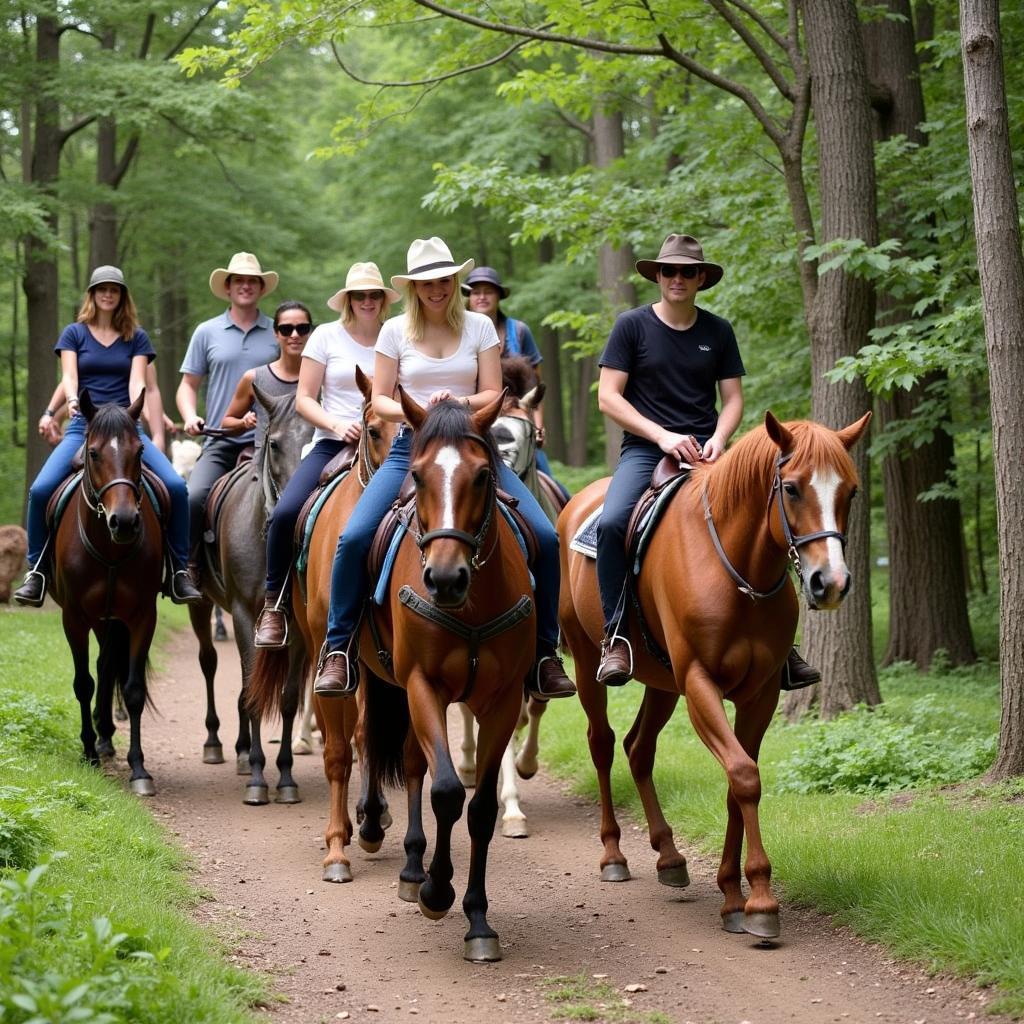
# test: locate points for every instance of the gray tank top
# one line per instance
(270, 384)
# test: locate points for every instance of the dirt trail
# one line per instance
(357, 950)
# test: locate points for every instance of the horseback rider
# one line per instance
(105, 352)
(222, 349)
(329, 398)
(659, 371)
(436, 350)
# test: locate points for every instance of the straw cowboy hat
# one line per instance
(484, 275)
(245, 265)
(429, 259)
(362, 277)
(683, 250)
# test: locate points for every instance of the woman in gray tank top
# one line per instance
(292, 324)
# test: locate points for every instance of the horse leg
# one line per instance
(526, 761)
(513, 821)
(304, 744)
(108, 683)
(199, 614)
(640, 746)
(412, 876)
(250, 758)
(337, 724)
(84, 684)
(141, 782)
(372, 809)
(287, 787)
(467, 766)
(759, 914)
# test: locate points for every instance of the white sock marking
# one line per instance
(448, 459)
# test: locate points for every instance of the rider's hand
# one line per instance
(49, 430)
(540, 437)
(194, 425)
(352, 432)
(439, 396)
(713, 447)
(249, 420)
(680, 446)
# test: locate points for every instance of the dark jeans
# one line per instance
(219, 456)
(281, 527)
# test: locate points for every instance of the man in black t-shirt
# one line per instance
(659, 372)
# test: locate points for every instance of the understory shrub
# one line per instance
(24, 836)
(879, 751)
(27, 720)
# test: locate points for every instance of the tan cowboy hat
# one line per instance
(683, 250)
(429, 259)
(362, 277)
(242, 263)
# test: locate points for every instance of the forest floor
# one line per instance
(356, 952)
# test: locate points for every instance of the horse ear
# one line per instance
(263, 398)
(364, 383)
(778, 433)
(414, 412)
(852, 434)
(86, 405)
(484, 418)
(135, 409)
(534, 396)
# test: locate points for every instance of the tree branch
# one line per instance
(762, 23)
(575, 123)
(130, 149)
(79, 30)
(147, 36)
(216, 156)
(770, 67)
(176, 48)
(75, 127)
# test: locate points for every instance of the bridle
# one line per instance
(793, 541)
(93, 496)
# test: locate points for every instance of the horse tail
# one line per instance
(386, 723)
(267, 681)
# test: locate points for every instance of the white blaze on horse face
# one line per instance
(448, 459)
(113, 445)
(825, 485)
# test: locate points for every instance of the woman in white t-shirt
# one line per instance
(329, 398)
(437, 351)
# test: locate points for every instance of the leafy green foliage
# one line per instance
(29, 720)
(23, 833)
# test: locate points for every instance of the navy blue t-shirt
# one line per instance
(104, 370)
(673, 375)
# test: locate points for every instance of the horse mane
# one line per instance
(110, 421)
(748, 466)
(518, 375)
(449, 422)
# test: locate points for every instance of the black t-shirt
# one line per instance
(673, 374)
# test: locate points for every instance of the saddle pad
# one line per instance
(585, 539)
(309, 522)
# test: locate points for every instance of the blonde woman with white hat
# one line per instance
(221, 350)
(329, 398)
(436, 350)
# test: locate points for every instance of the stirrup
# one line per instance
(351, 677)
(42, 596)
(277, 606)
(606, 645)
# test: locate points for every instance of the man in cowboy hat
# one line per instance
(221, 350)
(659, 373)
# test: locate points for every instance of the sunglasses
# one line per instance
(375, 296)
(672, 269)
(287, 330)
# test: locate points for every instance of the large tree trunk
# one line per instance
(1001, 268)
(172, 333)
(927, 579)
(550, 348)
(839, 643)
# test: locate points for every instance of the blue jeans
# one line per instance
(58, 466)
(350, 581)
(281, 526)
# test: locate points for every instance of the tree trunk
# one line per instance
(582, 401)
(1001, 269)
(927, 578)
(550, 349)
(172, 332)
(839, 643)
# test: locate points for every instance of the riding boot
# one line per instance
(547, 679)
(616, 666)
(335, 676)
(272, 624)
(32, 591)
(797, 674)
(182, 589)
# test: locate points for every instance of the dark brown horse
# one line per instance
(108, 564)
(721, 613)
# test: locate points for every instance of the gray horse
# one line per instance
(234, 576)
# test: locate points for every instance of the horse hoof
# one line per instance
(337, 873)
(526, 773)
(733, 922)
(105, 750)
(242, 766)
(120, 715)
(256, 796)
(301, 747)
(409, 892)
(515, 828)
(369, 845)
(213, 754)
(143, 787)
(482, 951)
(615, 873)
(677, 877)
(386, 821)
(433, 915)
(287, 795)
(762, 926)
(468, 779)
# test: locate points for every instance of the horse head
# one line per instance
(815, 481)
(112, 477)
(286, 435)
(454, 466)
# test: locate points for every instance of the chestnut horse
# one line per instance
(108, 566)
(782, 492)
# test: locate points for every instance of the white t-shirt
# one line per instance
(421, 375)
(339, 353)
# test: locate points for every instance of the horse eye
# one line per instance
(482, 478)
(416, 478)
(273, 444)
(93, 454)
(854, 493)
(374, 433)
(791, 489)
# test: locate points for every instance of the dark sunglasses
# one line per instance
(376, 296)
(287, 330)
(672, 269)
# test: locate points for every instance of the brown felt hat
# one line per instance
(684, 250)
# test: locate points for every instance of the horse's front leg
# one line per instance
(467, 765)
(250, 758)
(526, 760)
(141, 782)
(513, 821)
(640, 745)
(337, 720)
(78, 640)
(287, 787)
(199, 615)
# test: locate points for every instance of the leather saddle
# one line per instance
(669, 473)
(330, 476)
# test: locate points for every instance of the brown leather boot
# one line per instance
(32, 591)
(616, 667)
(548, 680)
(797, 674)
(182, 589)
(272, 625)
(335, 677)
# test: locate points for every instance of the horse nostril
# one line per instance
(846, 586)
(817, 584)
(113, 522)
(428, 581)
(462, 580)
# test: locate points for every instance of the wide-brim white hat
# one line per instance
(362, 277)
(243, 264)
(429, 259)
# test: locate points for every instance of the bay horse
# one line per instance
(781, 493)
(234, 578)
(108, 568)
(338, 720)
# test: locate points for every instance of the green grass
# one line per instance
(593, 999)
(936, 875)
(104, 929)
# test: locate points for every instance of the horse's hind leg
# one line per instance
(640, 746)
(467, 749)
(526, 759)
(337, 720)
(251, 759)
(112, 674)
(287, 787)
(141, 782)
(513, 821)
(78, 640)
(199, 614)
(304, 743)
(412, 875)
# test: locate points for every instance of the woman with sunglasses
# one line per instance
(292, 324)
(329, 398)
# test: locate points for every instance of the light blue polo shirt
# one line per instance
(221, 352)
